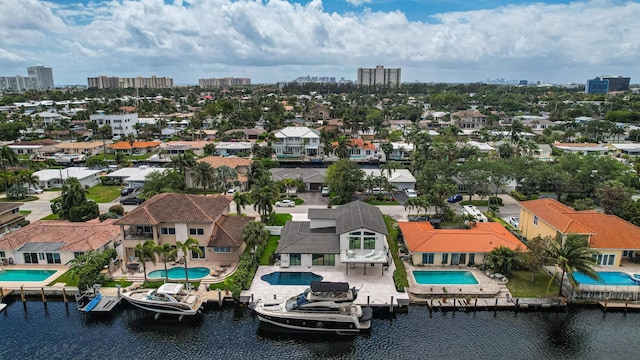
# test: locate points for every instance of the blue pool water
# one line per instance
(177, 273)
(25, 275)
(290, 278)
(444, 277)
(608, 278)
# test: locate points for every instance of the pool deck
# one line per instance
(374, 287)
(15, 285)
(487, 286)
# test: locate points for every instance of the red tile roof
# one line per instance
(76, 236)
(228, 231)
(358, 143)
(217, 161)
(555, 214)
(608, 231)
(177, 208)
(124, 145)
(482, 238)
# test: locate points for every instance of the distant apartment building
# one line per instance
(605, 84)
(43, 76)
(114, 82)
(315, 79)
(121, 125)
(229, 81)
(39, 78)
(379, 76)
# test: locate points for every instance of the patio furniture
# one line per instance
(132, 267)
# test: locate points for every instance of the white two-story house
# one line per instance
(296, 142)
(352, 234)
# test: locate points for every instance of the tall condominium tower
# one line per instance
(379, 76)
(43, 76)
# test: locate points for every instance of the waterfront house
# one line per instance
(294, 142)
(180, 147)
(245, 134)
(354, 233)
(81, 148)
(167, 218)
(134, 177)
(137, 148)
(10, 217)
(399, 179)
(430, 246)
(615, 238)
(313, 178)
(582, 148)
(58, 242)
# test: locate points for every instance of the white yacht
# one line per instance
(324, 307)
(169, 298)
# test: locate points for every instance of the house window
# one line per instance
(77, 254)
(427, 258)
(455, 259)
(15, 211)
(30, 258)
(535, 220)
(168, 231)
(369, 242)
(196, 231)
(41, 256)
(323, 259)
(445, 258)
(605, 259)
(2, 254)
(144, 230)
(354, 243)
(53, 258)
(295, 259)
(221, 249)
(202, 255)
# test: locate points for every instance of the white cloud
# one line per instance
(188, 40)
(358, 2)
(9, 56)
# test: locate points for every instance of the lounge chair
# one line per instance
(371, 254)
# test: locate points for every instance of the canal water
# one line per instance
(56, 331)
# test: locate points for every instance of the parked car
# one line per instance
(132, 201)
(375, 191)
(514, 221)
(285, 203)
(325, 191)
(231, 192)
(127, 190)
(35, 190)
(454, 198)
(410, 193)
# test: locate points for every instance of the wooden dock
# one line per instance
(492, 304)
(618, 306)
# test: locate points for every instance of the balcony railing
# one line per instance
(128, 235)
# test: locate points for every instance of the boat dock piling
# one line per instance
(492, 304)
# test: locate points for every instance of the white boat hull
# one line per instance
(309, 321)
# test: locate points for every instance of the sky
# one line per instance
(551, 41)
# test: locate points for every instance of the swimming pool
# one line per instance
(177, 273)
(290, 278)
(444, 277)
(608, 278)
(25, 275)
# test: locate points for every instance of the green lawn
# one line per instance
(66, 279)
(28, 198)
(520, 285)
(269, 249)
(281, 219)
(400, 274)
(127, 156)
(25, 212)
(51, 217)
(104, 193)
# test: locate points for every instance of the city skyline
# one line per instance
(551, 41)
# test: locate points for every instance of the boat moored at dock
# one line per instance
(324, 307)
(169, 298)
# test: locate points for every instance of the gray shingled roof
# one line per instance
(298, 238)
(358, 214)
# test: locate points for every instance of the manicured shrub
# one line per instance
(118, 209)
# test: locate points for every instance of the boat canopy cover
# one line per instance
(170, 289)
(326, 286)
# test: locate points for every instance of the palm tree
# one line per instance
(575, 254)
(73, 194)
(226, 175)
(189, 245)
(264, 193)
(131, 139)
(143, 251)
(184, 162)
(204, 175)
(255, 235)
(342, 147)
(167, 252)
(7, 157)
(241, 200)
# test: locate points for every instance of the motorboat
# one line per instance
(170, 298)
(324, 307)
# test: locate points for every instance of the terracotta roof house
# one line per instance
(180, 147)
(354, 233)
(138, 147)
(430, 246)
(362, 150)
(615, 238)
(10, 216)
(86, 148)
(469, 119)
(58, 242)
(246, 134)
(240, 165)
(167, 218)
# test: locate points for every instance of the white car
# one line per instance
(325, 191)
(514, 221)
(410, 193)
(35, 190)
(285, 203)
(231, 192)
